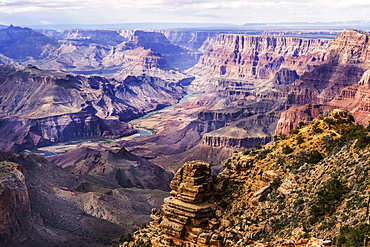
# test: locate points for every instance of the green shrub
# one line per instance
(294, 131)
(125, 238)
(301, 124)
(287, 150)
(327, 198)
(300, 139)
(352, 236)
(140, 243)
(227, 164)
(276, 183)
(315, 157)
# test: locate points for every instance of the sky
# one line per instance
(38, 12)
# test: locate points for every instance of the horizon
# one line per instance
(234, 12)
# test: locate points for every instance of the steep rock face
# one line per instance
(285, 77)
(354, 99)
(40, 106)
(341, 82)
(176, 57)
(243, 56)
(345, 62)
(187, 210)
(15, 207)
(230, 137)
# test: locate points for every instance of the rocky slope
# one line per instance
(303, 191)
(122, 167)
(43, 205)
(40, 107)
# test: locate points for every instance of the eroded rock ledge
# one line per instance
(187, 212)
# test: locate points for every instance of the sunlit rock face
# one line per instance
(187, 210)
(340, 82)
(246, 56)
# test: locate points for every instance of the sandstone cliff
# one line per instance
(246, 56)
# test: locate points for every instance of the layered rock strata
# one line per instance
(247, 56)
(187, 210)
(355, 99)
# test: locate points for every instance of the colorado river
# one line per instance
(68, 146)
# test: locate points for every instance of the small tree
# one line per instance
(315, 157)
(287, 149)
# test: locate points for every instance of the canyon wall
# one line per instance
(340, 82)
(245, 56)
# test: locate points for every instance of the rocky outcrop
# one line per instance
(187, 210)
(231, 137)
(244, 56)
(265, 194)
(176, 57)
(15, 206)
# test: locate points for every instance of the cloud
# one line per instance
(231, 11)
(45, 22)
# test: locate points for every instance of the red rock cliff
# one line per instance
(341, 82)
(246, 56)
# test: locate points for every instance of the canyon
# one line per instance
(244, 88)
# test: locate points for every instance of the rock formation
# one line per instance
(14, 202)
(119, 167)
(186, 212)
(353, 98)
